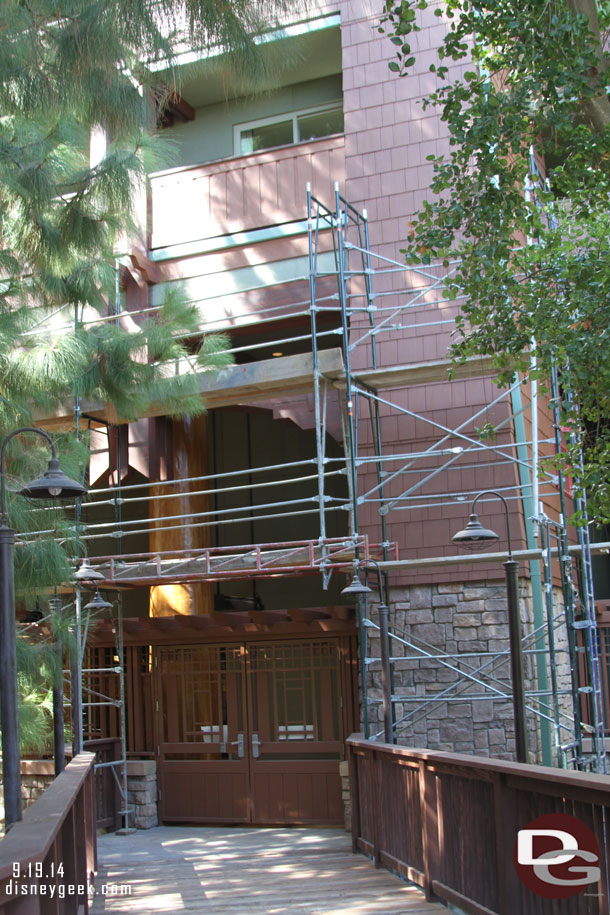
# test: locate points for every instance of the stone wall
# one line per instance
(142, 793)
(36, 775)
(446, 706)
(347, 801)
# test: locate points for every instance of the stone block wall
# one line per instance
(456, 703)
(36, 775)
(142, 793)
(347, 801)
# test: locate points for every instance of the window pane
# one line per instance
(320, 124)
(265, 136)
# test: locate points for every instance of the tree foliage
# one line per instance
(69, 68)
(521, 199)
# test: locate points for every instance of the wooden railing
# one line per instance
(449, 823)
(107, 794)
(48, 860)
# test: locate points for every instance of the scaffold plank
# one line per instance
(246, 561)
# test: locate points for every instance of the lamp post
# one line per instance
(54, 484)
(474, 532)
(356, 587)
(59, 749)
(86, 575)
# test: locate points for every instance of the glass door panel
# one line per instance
(295, 700)
(202, 702)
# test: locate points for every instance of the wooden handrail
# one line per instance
(545, 776)
(261, 157)
(58, 829)
(449, 823)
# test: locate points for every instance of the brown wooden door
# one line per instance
(252, 733)
(296, 731)
(201, 721)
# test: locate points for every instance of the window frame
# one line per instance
(293, 116)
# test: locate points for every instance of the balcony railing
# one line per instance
(243, 193)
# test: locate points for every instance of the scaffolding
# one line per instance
(574, 612)
(359, 300)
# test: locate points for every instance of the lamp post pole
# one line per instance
(53, 484)
(11, 776)
(474, 532)
(357, 587)
(386, 676)
(76, 679)
(516, 657)
(59, 749)
(86, 575)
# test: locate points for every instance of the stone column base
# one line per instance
(347, 801)
(142, 792)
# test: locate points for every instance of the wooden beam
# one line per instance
(309, 615)
(269, 616)
(180, 108)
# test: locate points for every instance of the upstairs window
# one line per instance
(283, 130)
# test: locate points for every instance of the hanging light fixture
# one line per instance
(356, 587)
(97, 602)
(87, 572)
(474, 532)
(53, 484)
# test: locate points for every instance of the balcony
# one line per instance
(229, 196)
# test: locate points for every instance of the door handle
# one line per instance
(256, 746)
(239, 743)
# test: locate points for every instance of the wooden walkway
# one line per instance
(174, 869)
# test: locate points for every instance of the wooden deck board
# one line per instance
(259, 871)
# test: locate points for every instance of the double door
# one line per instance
(253, 732)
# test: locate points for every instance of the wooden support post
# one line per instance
(354, 797)
(427, 801)
(375, 800)
(179, 451)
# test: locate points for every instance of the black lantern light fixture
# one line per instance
(357, 587)
(474, 532)
(97, 602)
(54, 484)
